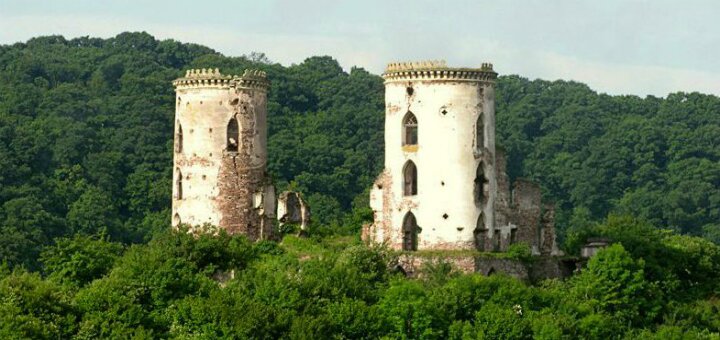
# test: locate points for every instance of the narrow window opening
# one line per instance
(513, 235)
(480, 182)
(410, 231)
(444, 111)
(176, 219)
(480, 133)
(445, 216)
(480, 233)
(410, 126)
(410, 90)
(233, 135)
(178, 185)
(179, 138)
(410, 179)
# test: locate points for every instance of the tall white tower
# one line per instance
(221, 153)
(439, 184)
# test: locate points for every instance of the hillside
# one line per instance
(86, 137)
(86, 251)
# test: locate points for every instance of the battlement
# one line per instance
(437, 70)
(251, 79)
(212, 78)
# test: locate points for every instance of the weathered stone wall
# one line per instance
(447, 103)
(292, 208)
(219, 177)
(412, 265)
(540, 268)
(521, 217)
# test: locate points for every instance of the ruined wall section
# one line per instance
(223, 185)
(521, 217)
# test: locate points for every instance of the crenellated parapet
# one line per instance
(253, 79)
(437, 70)
(212, 78)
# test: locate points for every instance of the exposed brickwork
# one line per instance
(223, 153)
(540, 268)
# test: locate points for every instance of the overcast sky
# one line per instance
(618, 47)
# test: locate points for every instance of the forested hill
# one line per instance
(86, 137)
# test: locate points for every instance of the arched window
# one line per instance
(480, 233)
(410, 179)
(410, 231)
(233, 135)
(179, 138)
(480, 181)
(480, 133)
(178, 185)
(410, 129)
(176, 219)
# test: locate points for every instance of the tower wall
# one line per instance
(447, 103)
(218, 181)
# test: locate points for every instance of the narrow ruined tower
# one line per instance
(439, 185)
(220, 153)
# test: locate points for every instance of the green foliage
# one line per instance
(181, 285)
(520, 251)
(614, 283)
(79, 260)
(86, 149)
(33, 308)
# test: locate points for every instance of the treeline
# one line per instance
(86, 142)
(650, 284)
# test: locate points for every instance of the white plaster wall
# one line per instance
(445, 154)
(203, 113)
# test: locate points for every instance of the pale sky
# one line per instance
(617, 47)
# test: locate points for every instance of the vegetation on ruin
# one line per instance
(86, 156)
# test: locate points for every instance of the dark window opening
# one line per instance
(178, 185)
(445, 216)
(480, 233)
(513, 235)
(410, 179)
(410, 90)
(179, 139)
(480, 183)
(480, 133)
(233, 135)
(410, 127)
(410, 231)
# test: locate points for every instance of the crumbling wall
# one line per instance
(520, 216)
(292, 208)
(540, 268)
(527, 208)
(246, 198)
(380, 231)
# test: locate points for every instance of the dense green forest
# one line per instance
(86, 157)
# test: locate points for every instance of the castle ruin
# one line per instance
(444, 185)
(220, 153)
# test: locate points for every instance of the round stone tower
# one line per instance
(439, 184)
(220, 153)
